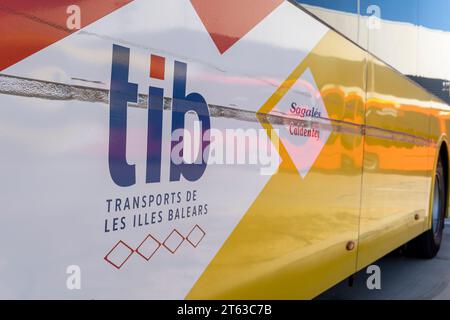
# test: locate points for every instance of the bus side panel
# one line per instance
(89, 184)
(292, 243)
(397, 171)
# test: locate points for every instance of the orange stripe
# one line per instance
(30, 26)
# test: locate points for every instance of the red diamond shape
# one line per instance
(227, 21)
(117, 254)
(173, 241)
(148, 247)
(196, 236)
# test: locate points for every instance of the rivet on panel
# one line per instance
(350, 245)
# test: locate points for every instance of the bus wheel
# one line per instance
(427, 245)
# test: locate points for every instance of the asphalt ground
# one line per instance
(401, 278)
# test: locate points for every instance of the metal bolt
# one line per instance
(350, 245)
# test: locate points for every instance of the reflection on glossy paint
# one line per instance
(292, 241)
(397, 175)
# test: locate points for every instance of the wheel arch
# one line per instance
(444, 155)
(442, 152)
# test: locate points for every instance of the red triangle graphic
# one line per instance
(29, 26)
(227, 21)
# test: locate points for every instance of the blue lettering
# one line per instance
(182, 104)
(121, 93)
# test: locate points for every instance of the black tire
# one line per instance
(427, 245)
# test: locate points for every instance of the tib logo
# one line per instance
(122, 92)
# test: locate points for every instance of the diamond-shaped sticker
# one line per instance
(196, 236)
(148, 247)
(119, 254)
(173, 241)
(306, 125)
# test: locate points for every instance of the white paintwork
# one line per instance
(54, 167)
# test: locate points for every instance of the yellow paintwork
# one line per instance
(393, 194)
(370, 181)
(292, 241)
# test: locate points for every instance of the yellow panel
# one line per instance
(292, 241)
(397, 167)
